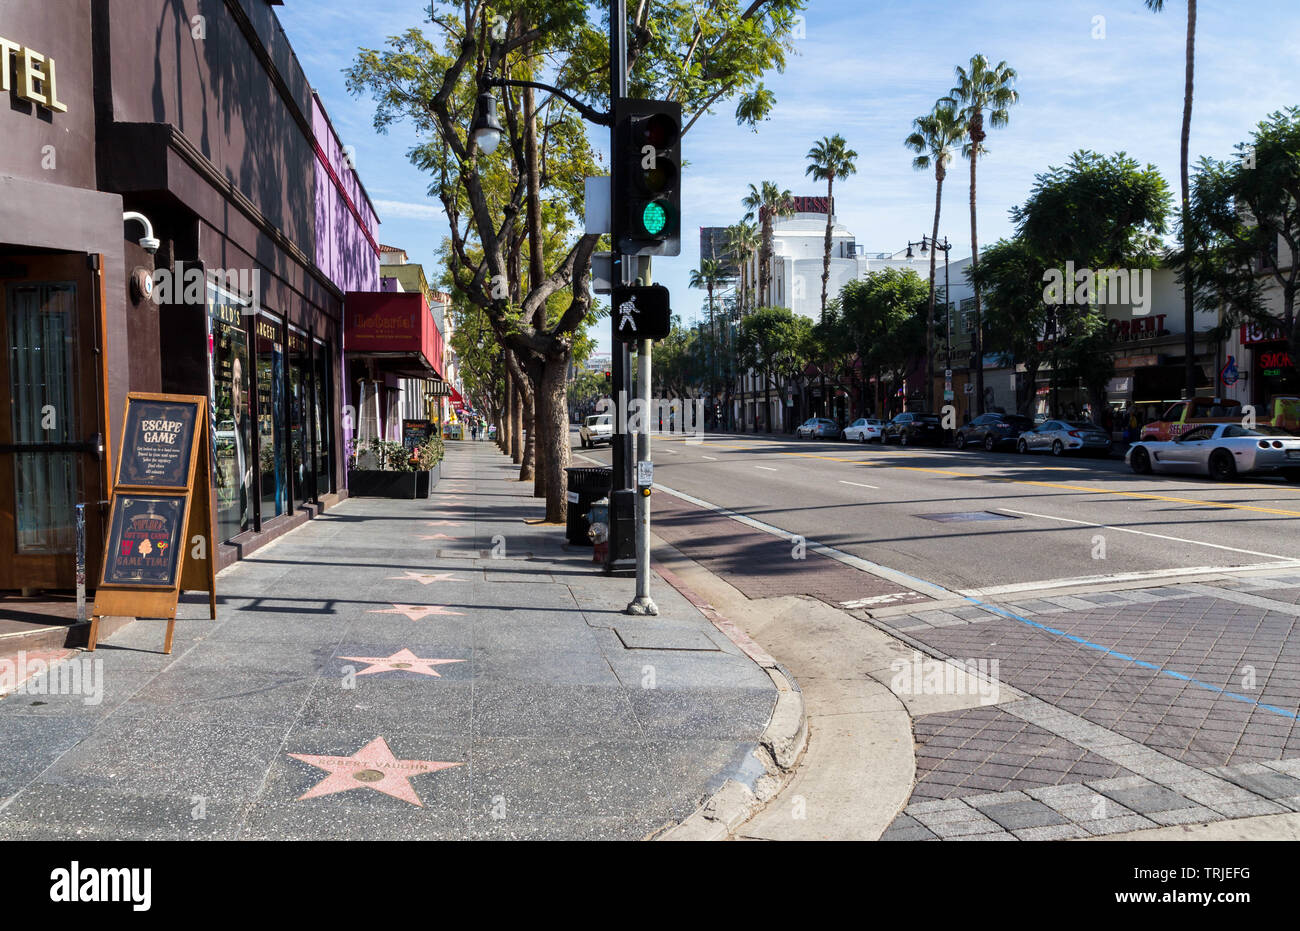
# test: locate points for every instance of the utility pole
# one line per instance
(643, 604)
(620, 355)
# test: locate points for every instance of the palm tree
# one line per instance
(708, 276)
(982, 88)
(827, 160)
(932, 138)
(742, 243)
(766, 202)
(1189, 323)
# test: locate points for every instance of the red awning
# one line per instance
(455, 397)
(395, 330)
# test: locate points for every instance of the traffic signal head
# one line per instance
(647, 177)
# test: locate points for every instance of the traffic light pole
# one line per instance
(643, 604)
(620, 356)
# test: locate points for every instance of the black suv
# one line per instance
(992, 431)
(913, 429)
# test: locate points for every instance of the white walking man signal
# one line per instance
(626, 315)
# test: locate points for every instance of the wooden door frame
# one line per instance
(58, 571)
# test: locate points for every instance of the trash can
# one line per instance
(585, 485)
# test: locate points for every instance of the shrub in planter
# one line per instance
(403, 473)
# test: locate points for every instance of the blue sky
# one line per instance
(865, 69)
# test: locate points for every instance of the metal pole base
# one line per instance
(643, 606)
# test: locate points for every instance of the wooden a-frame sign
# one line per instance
(161, 528)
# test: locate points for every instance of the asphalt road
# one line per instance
(1067, 518)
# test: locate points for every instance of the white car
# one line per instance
(598, 428)
(863, 430)
(1221, 451)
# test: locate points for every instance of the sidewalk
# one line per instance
(396, 669)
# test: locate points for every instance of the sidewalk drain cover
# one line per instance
(960, 516)
(639, 639)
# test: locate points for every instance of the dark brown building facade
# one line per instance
(195, 118)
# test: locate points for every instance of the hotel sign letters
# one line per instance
(36, 73)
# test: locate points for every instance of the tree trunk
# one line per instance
(1189, 306)
(516, 426)
(553, 422)
(504, 439)
(767, 397)
(530, 440)
(537, 428)
(934, 254)
(830, 229)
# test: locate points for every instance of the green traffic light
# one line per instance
(654, 218)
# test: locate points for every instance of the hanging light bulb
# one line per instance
(486, 130)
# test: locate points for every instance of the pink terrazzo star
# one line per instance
(419, 612)
(401, 661)
(424, 578)
(371, 767)
(438, 536)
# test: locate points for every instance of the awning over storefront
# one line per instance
(394, 331)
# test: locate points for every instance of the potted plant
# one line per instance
(401, 472)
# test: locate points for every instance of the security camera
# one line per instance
(147, 242)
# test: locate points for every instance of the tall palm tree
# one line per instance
(932, 139)
(981, 90)
(827, 160)
(742, 242)
(766, 203)
(708, 276)
(1189, 311)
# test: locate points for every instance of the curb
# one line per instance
(780, 746)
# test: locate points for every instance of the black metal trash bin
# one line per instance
(585, 485)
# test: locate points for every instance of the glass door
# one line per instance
(50, 420)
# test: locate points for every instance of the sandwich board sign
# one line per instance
(161, 529)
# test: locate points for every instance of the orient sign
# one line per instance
(1252, 333)
(37, 81)
(1138, 328)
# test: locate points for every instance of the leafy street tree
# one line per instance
(768, 338)
(883, 323)
(765, 203)
(982, 90)
(1019, 323)
(513, 255)
(708, 276)
(1241, 210)
(829, 159)
(932, 139)
(1185, 229)
(1099, 212)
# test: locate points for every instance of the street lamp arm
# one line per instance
(588, 113)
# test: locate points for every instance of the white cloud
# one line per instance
(406, 210)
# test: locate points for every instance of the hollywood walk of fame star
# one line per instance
(419, 612)
(438, 536)
(371, 767)
(401, 661)
(424, 578)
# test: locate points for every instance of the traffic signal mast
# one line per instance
(647, 177)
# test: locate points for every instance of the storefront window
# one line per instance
(322, 421)
(299, 387)
(272, 443)
(232, 423)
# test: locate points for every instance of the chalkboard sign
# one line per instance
(144, 540)
(162, 535)
(415, 433)
(157, 443)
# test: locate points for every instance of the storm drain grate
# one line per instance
(959, 516)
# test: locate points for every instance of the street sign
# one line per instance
(641, 312)
(645, 474)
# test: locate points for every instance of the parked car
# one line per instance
(817, 427)
(863, 430)
(1064, 436)
(596, 429)
(992, 431)
(1183, 415)
(1221, 451)
(909, 429)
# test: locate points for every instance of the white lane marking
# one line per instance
(710, 458)
(671, 452)
(865, 565)
(1121, 577)
(860, 485)
(1147, 533)
(765, 468)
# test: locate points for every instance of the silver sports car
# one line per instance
(1221, 451)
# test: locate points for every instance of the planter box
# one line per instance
(378, 483)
